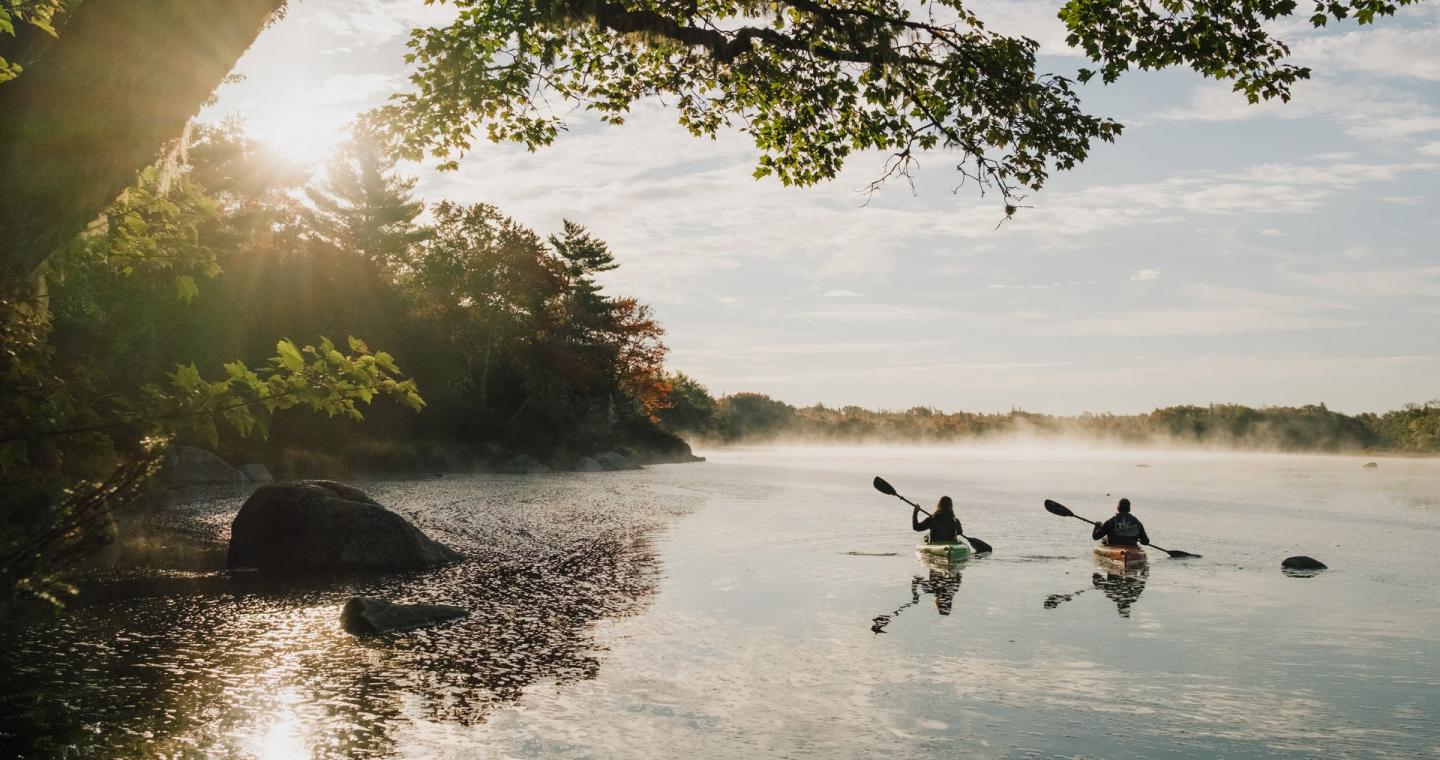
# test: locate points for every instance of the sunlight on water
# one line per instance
(770, 602)
(285, 739)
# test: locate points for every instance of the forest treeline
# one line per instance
(757, 418)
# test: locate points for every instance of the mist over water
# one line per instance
(731, 609)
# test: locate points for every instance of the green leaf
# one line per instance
(289, 356)
(186, 288)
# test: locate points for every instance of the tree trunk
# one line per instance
(100, 104)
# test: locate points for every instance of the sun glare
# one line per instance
(299, 133)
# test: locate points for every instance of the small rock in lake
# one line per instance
(190, 466)
(1302, 563)
(588, 464)
(524, 464)
(611, 460)
(257, 473)
(1370, 465)
(368, 615)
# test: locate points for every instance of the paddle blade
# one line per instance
(1177, 554)
(979, 546)
(883, 487)
(1056, 508)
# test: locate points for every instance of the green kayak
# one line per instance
(948, 552)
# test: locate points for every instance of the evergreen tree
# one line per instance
(363, 206)
(583, 256)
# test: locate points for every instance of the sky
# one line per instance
(1219, 252)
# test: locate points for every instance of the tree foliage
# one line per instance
(812, 81)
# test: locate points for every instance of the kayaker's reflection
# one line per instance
(940, 583)
(1122, 588)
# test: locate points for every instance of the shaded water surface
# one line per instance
(768, 603)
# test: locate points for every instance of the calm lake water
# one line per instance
(768, 603)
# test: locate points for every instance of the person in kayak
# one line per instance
(1122, 529)
(943, 525)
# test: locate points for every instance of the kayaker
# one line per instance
(1121, 530)
(943, 525)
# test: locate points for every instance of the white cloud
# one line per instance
(1037, 19)
(372, 22)
(1403, 200)
(359, 90)
(1141, 275)
(1040, 285)
(1375, 282)
(1178, 322)
(1367, 111)
(1388, 51)
(839, 294)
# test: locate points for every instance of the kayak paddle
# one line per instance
(883, 487)
(1056, 508)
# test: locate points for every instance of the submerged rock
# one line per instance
(324, 525)
(191, 466)
(1371, 464)
(524, 464)
(257, 473)
(611, 460)
(1301, 562)
(587, 464)
(367, 615)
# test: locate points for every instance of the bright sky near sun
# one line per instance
(1219, 252)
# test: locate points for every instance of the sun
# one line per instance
(299, 132)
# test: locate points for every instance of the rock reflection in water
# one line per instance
(244, 665)
(940, 582)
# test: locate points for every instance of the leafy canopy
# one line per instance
(812, 81)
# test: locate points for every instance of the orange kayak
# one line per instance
(1128, 556)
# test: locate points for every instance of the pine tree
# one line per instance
(363, 206)
(583, 256)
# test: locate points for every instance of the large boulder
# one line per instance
(324, 525)
(524, 464)
(190, 466)
(610, 460)
(367, 615)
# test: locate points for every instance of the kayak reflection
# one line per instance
(941, 582)
(1123, 587)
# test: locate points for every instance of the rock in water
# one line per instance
(257, 473)
(323, 525)
(191, 466)
(1302, 563)
(364, 615)
(587, 464)
(1371, 465)
(612, 461)
(524, 464)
